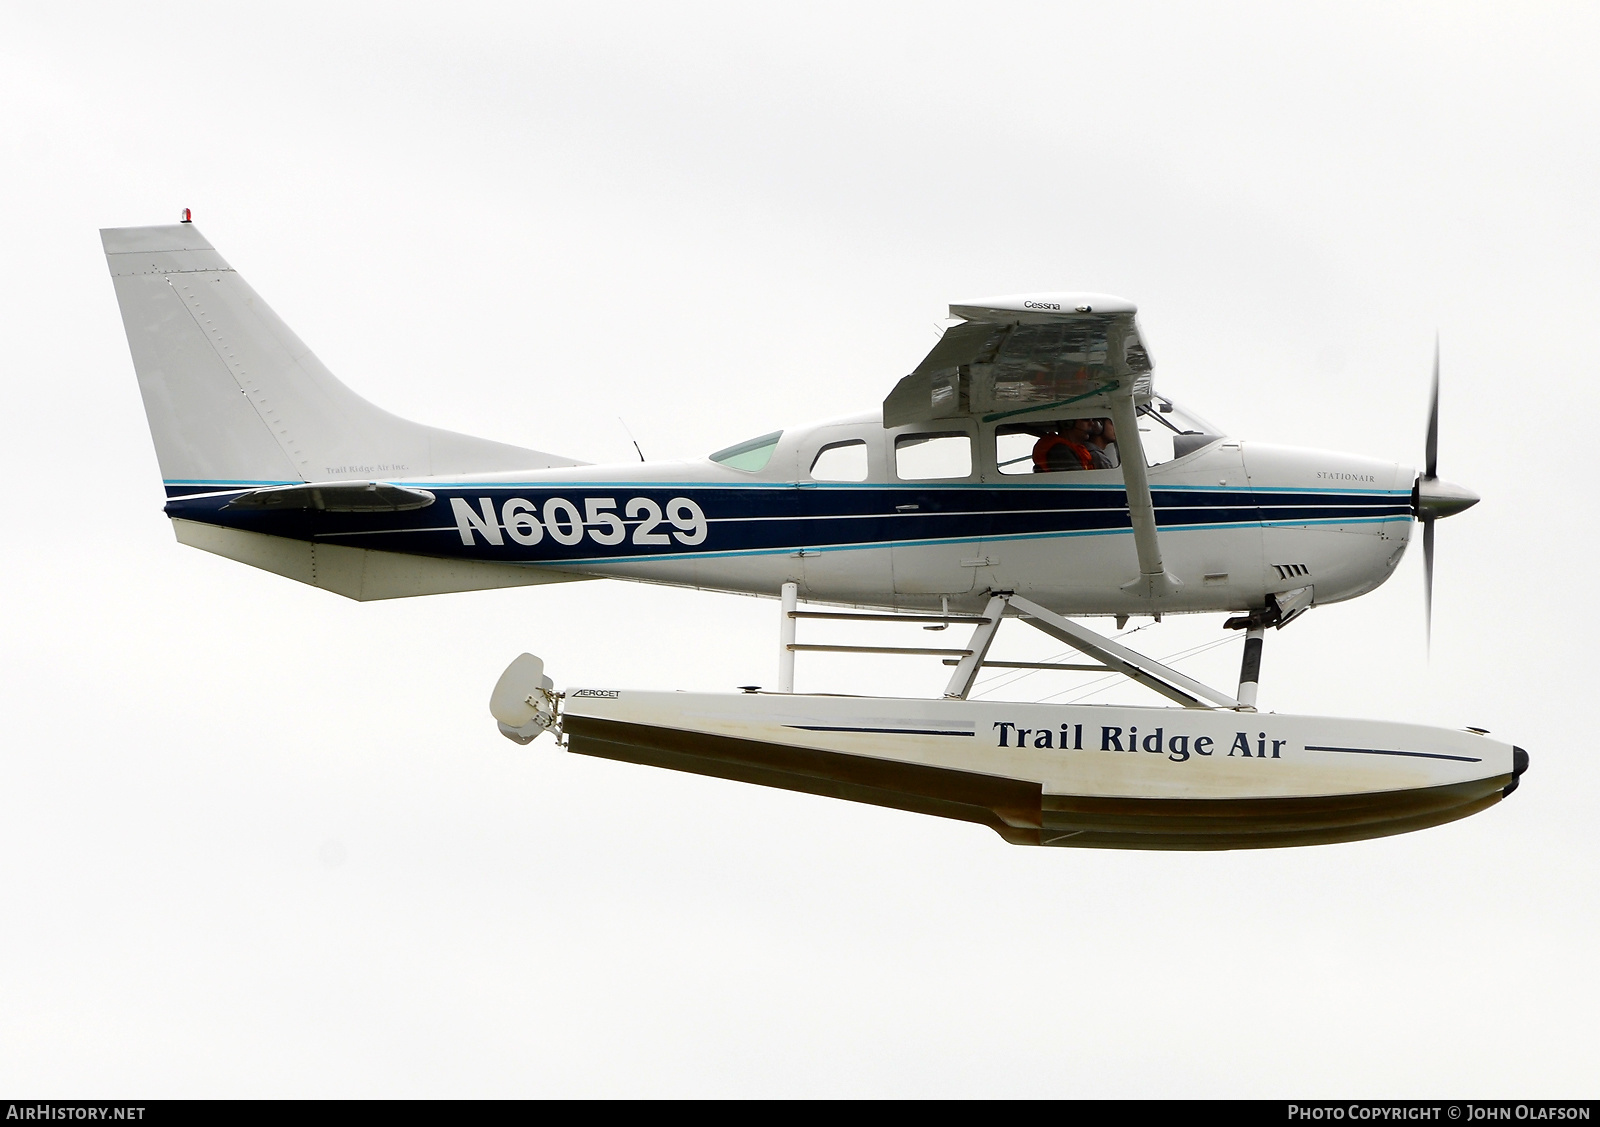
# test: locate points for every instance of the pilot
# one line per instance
(1103, 445)
(1065, 446)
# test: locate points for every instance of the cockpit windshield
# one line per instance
(1169, 431)
(1181, 419)
(751, 455)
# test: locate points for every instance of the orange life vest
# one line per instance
(1051, 442)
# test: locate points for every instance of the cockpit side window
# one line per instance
(841, 461)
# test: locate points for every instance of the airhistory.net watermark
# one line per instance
(53, 1111)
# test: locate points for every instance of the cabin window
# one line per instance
(920, 457)
(1056, 446)
(841, 461)
(1064, 445)
(749, 456)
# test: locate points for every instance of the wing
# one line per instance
(1013, 356)
(1026, 353)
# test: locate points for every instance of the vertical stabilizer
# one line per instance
(232, 395)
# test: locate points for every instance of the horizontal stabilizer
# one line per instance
(360, 573)
(336, 497)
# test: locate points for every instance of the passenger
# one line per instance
(1065, 446)
(1103, 446)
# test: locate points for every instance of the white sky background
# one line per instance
(259, 840)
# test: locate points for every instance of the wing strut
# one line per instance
(1154, 580)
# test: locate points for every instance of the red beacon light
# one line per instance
(184, 218)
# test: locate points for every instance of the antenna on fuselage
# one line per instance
(631, 439)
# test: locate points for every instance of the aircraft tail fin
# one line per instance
(232, 395)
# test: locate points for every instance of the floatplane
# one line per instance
(1025, 471)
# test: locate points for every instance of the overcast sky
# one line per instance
(260, 840)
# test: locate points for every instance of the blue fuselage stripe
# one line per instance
(747, 520)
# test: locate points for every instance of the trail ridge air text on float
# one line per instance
(1177, 747)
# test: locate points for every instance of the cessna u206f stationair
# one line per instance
(1025, 470)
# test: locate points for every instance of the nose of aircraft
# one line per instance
(1434, 497)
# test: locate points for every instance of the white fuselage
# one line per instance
(1237, 522)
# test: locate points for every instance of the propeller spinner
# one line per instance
(1432, 498)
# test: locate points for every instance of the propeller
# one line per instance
(1432, 498)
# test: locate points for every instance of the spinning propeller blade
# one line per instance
(1433, 498)
(1431, 457)
(1433, 417)
(1427, 581)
